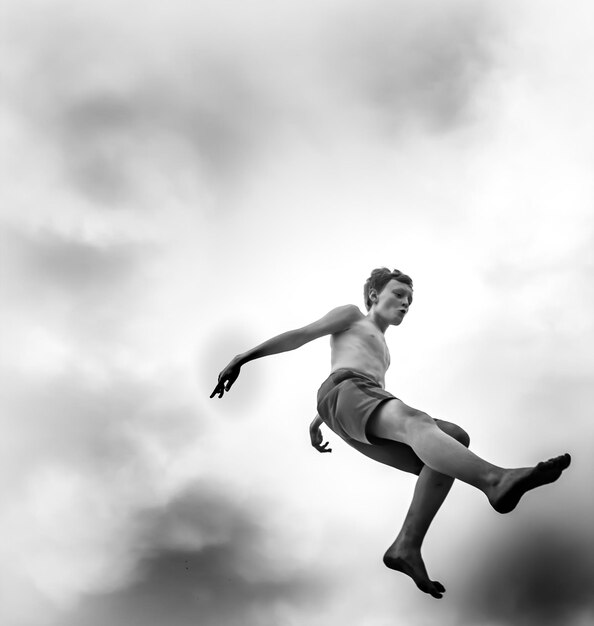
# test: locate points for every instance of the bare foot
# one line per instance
(516, 482)
(411, 564)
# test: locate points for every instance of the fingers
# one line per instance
(323, 448)
(225, 382)
(219, 389)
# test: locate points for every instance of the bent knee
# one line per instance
(455, 431)
(463, 437)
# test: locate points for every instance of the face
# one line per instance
(393, 302)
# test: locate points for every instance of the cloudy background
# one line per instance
(181, 181)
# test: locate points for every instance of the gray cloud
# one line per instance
(100, 429)
(417, 67)
(544, 577)
(124, 114)
(97, 136)
(119, 115)
(47, 258)
(228, 581)
(206, 114)
(73, 284)
(83, 453)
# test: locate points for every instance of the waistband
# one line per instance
(343, 373)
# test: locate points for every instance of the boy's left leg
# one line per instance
(503, 487)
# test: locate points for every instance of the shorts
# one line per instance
(346, 401)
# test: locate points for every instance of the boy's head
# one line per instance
(379, 279)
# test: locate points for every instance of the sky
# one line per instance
(183, 180)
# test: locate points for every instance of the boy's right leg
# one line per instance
(432, 487)
(404, 555)
(396, 421)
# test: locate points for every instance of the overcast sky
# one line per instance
(183, 180)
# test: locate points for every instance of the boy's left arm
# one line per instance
(315, 434)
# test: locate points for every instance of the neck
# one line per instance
(378, 321)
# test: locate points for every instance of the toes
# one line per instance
(564, 460)
(433, 588)
(559, 462)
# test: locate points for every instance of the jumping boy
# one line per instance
(354, 404)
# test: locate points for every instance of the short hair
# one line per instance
(379, 278)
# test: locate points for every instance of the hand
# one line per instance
(226, 378)
(317, 439)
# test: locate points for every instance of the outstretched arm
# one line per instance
(335, 321)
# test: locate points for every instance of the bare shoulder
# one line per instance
(335, 321)
(348, 311)
(345, 315)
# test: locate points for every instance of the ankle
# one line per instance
(492, 479)
(408, 542)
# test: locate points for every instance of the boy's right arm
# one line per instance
(315, 434)
(335, 321)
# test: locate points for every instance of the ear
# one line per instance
(373, 295)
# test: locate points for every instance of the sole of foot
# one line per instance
(544, 473)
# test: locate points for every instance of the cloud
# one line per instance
(72, 288)
(100, 425)
(70, 263)
(94, 426)
(202, 114)
(544, 576)
(204, 562)
(85, 454)
(118, 117)
(163, 107)
(414, 67)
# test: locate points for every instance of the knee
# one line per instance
(462, 436)
(455, 431)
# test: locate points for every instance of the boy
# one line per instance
(354, 404)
